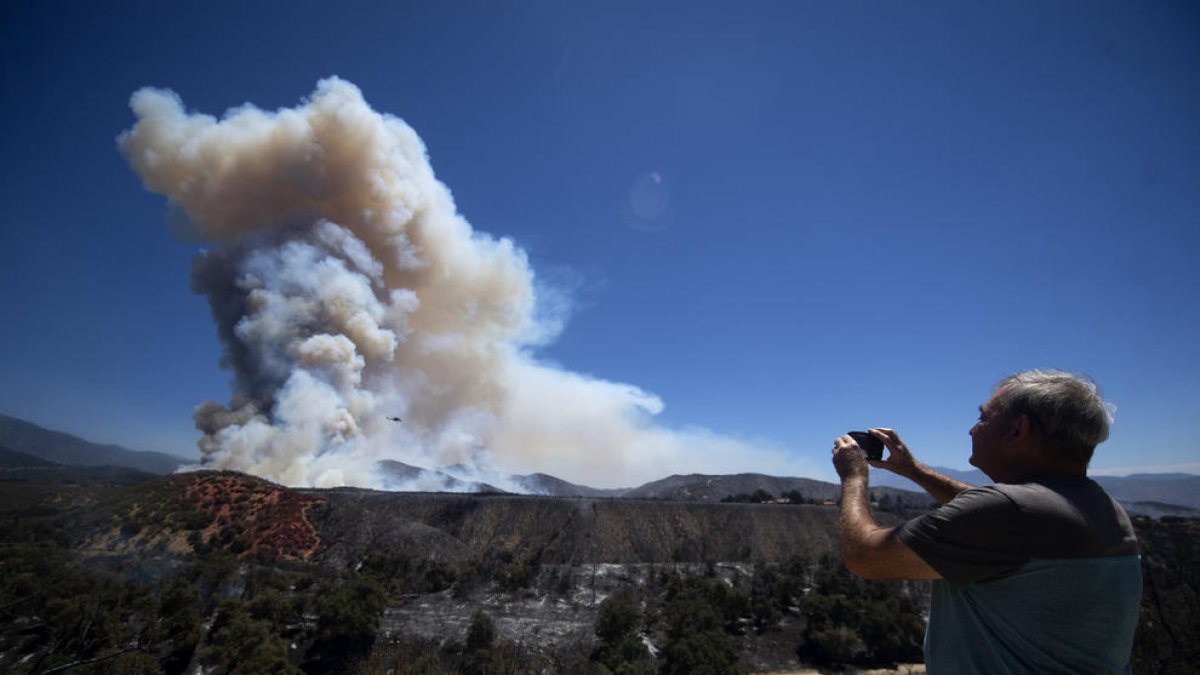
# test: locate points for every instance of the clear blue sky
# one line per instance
(872, 211)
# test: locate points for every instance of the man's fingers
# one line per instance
(842, 441)
(889, 437)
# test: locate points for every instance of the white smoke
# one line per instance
(347, 289)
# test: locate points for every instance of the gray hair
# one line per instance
(1065, 409)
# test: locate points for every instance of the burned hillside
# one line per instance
(182, 570)
(557, 530)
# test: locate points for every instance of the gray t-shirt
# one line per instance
(1038, 577)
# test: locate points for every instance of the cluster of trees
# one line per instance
(674, 623)
(761, 496)
(502, 568)
(1168, 632)
(695, 619)
(869, 623)
(481, 653)
(886, 502)
(700, 621)
(62, 611)
(891, 504)
(215, 612)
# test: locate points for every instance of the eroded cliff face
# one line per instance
(571, 531)
(255, 519)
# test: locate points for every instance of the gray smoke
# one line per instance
(346, 289)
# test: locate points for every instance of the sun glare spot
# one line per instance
(649, 202)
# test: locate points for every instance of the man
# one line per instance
(1038, 573)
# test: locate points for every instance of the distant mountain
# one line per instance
(22, 467)
(1157, 510)
(714, 488)
(1149, 492)
(409, 478)
(697, 487)
(12, 459)
(56, 446)
(882, 478)
(61, 474)
(463, 478)
(679, 488)
(1163, 489)
(23, 445)
(1161, 476)
(545, 484)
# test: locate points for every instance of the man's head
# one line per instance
(1060, 414)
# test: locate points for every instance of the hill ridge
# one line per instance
(64, 448)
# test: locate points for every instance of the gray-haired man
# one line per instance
(1036, 573)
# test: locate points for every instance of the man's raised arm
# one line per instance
(868, 549)
(901, 462)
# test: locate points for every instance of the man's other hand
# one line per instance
(848, 459)
(899, 460)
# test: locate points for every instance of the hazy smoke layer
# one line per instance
(347, 289)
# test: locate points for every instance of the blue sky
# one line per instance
(784, 219)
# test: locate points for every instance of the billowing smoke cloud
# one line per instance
(347, 289)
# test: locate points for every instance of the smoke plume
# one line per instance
(346, 290)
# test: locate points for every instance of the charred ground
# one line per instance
(184, 570)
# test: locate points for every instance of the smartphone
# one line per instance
(872, 447)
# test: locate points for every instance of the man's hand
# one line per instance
(848, 459)
(869, 550)
(899, 460)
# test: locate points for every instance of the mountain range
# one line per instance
(26, 447)
(62, 448)
(1148, 494)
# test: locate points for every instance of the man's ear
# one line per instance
(1021, 427)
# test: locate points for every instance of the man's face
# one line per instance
(988, 436)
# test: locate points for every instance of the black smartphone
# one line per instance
(872, 447)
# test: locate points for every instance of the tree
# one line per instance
(243, 645)
(180, 626)
(696, 612)
(617, 617)
(481, 634)
(349, 620)
(833, 646)
(793, 496)
(621, 648)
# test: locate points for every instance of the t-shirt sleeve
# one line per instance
(974, 537)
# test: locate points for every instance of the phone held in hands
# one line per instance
(872, 447)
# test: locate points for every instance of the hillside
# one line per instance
(22, 467)
(212, 552)
(565, 530)
(256, 519)
(1150, 495)
(62, 448)
(1175, 489)
(545, 484)
(714, 488)
(12, 459)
